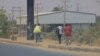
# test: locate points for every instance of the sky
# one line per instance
(88, 6)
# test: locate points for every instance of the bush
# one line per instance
(50, 35)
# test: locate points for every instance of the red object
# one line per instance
(67, 30)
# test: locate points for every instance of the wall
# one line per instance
(58, 18)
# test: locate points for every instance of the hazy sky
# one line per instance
(89, 6)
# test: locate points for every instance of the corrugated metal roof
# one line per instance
(46, 13)
(58, 17)
(43, 13)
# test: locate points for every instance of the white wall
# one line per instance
(80, 26)
(71, 17)
(58, 18)
(23, 21)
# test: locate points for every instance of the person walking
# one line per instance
(59, 32)
(67, 32)
(37, 31)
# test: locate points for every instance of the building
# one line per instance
(78, 20)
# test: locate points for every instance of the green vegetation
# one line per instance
(3, 23)
(88, 37)
(57, 8)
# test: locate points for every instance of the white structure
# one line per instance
(58, 18)
(76, 19)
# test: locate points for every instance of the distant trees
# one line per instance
(57, 8)
(3, 23)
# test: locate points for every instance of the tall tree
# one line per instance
(3, 22)
(57, 8)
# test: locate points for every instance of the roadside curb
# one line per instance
(31, 44)
(75, 48)
(71, 48)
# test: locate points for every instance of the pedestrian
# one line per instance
(37, 31)
(67, 32)
(59, 32)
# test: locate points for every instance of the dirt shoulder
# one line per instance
(44, 45)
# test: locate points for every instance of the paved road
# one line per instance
(17, 50)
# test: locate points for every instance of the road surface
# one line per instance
(18, 50)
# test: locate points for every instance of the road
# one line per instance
(18, 50)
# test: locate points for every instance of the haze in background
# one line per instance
(88, 6)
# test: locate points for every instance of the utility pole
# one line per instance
(64, 13)
(20, 19)
(20, 14)
(64, 2)
(37, 20)
(12, 31)
(16, 9)
(80, 28)
(12, 15)
(37, 12)
(78, 6)
(30, 19)
(65, 9)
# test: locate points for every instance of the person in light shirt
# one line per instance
(37, 31)
(59, 32)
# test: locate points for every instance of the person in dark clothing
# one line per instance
(59, 32)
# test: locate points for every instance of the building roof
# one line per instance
(58, 17)
(46, 13)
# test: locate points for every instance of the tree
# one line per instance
(57, 8)
(3, 22)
